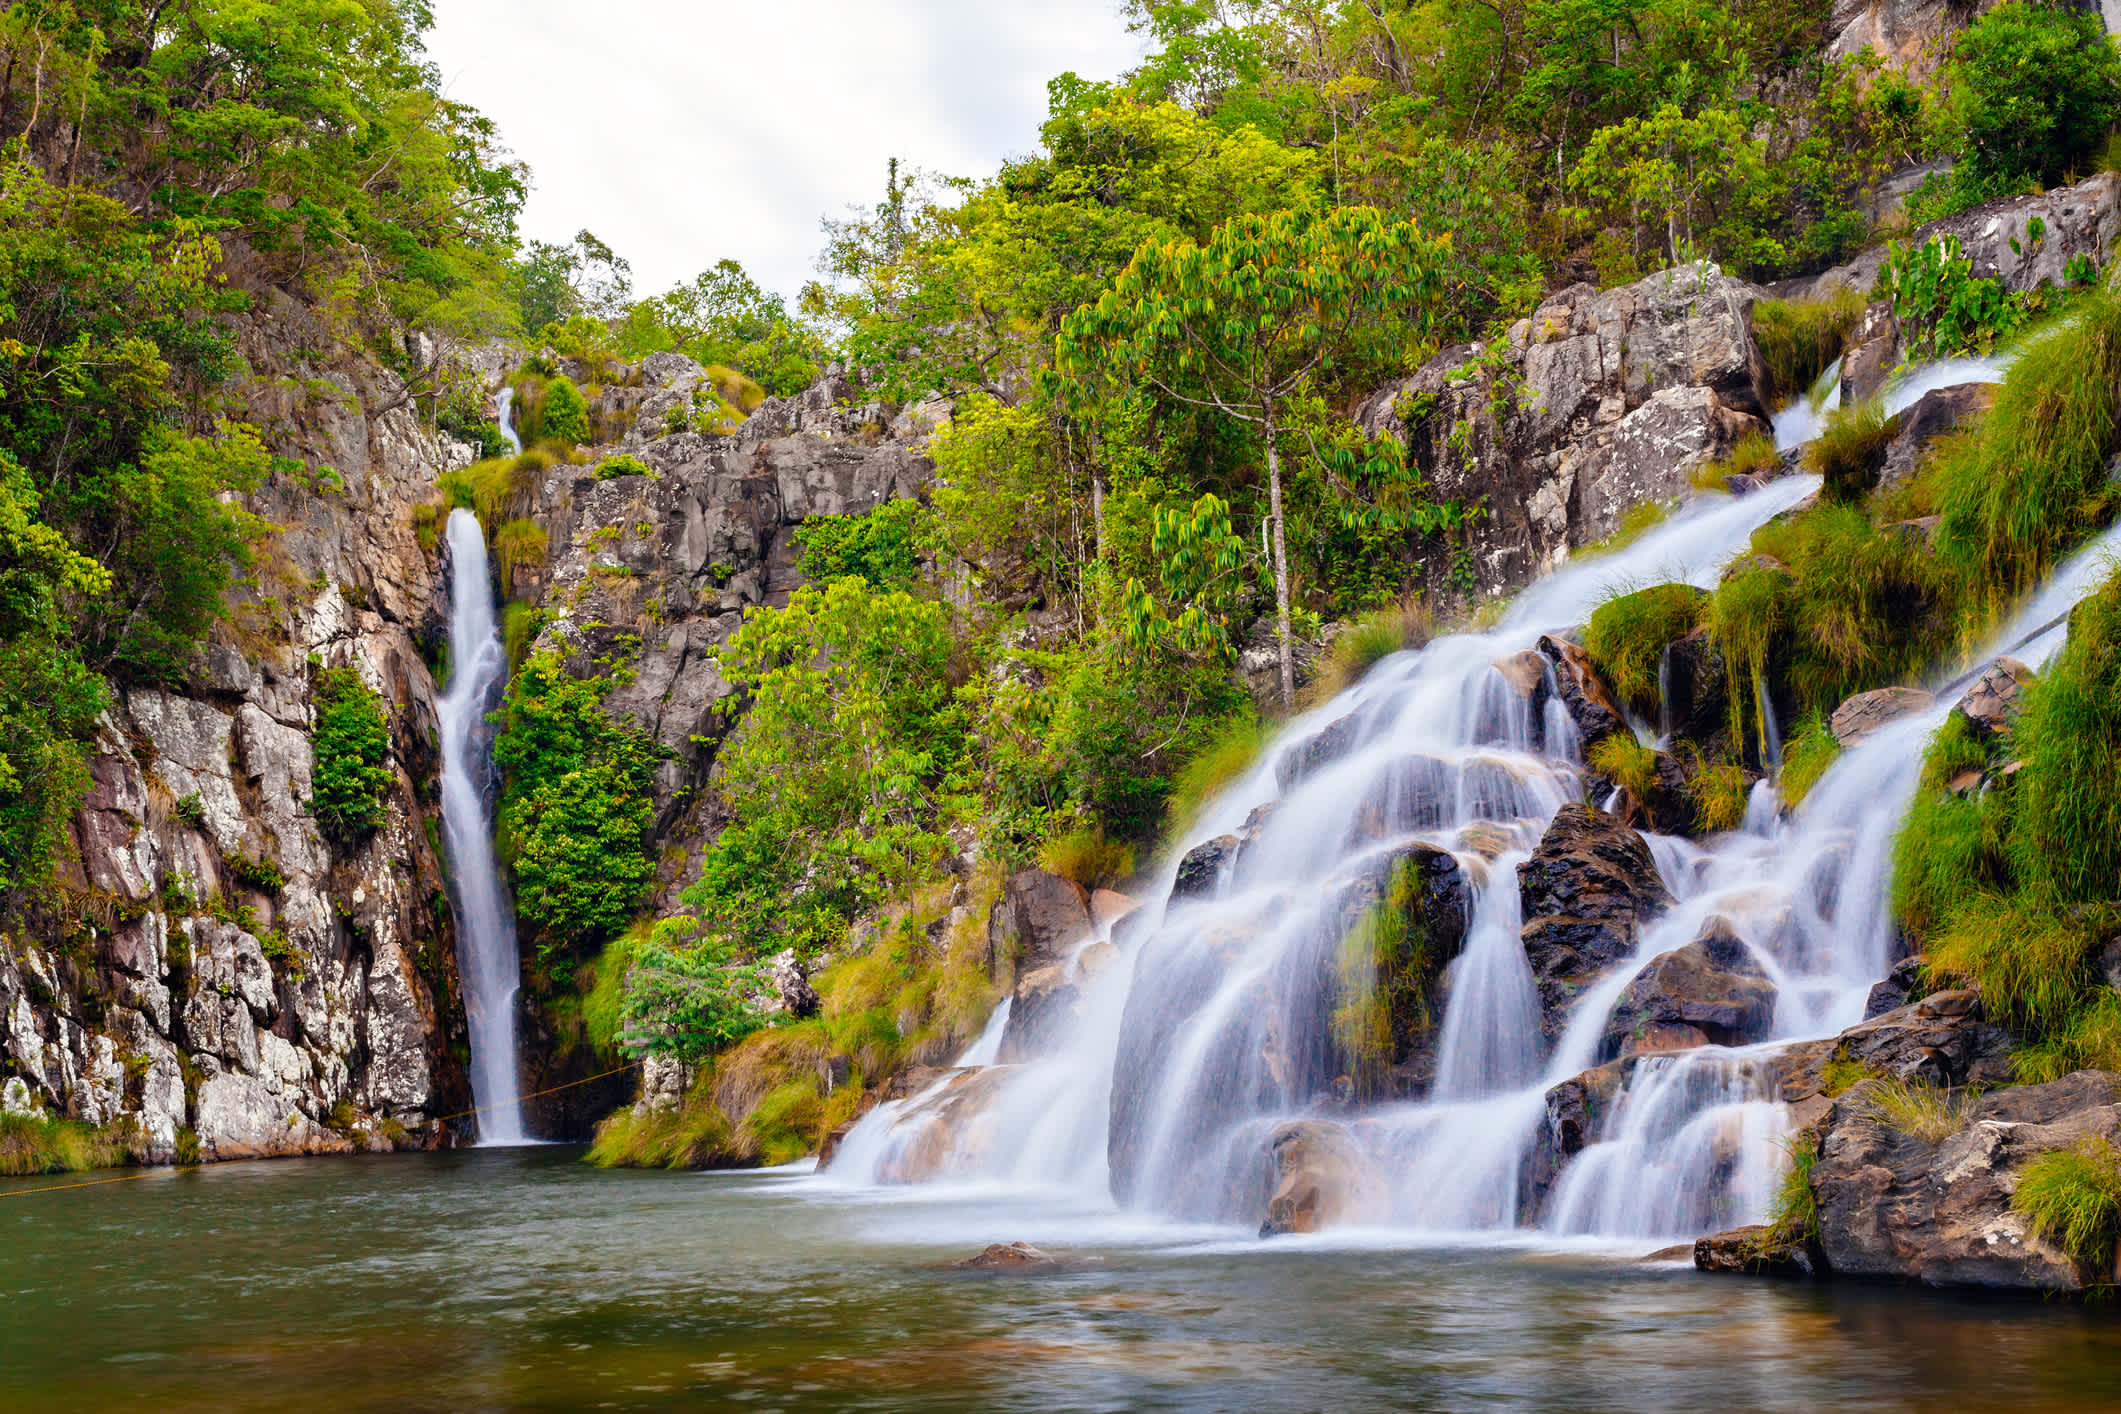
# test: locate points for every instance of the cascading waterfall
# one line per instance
(505, 418)
(1214, 1030)
(486, 935)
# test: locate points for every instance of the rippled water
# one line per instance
(522, 1280)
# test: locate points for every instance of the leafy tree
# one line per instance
(564, 413)
(349, 747)
(1244, 325)
(724, 318)
(2037, 87)
(880, 548)
(553, 284)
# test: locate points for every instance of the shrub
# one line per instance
(1850, 449)
(624, 464)
(252, 872)
(1942, 309)
(2033, 966)
(1627, 636)
(564, 417)
(2036, 88)
(1228, 752)
(2073, 1198)
(1087, 857)
(497, 491)
(881, 548)
(1800, 339)
(1720, 792)
(349, 746)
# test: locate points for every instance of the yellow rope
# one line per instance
(439, 1119)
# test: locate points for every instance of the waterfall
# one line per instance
(1214, 1031)
(486, 936)
(505, 418)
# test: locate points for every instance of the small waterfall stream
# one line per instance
(486, 936)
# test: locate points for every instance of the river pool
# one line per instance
(521, 1279)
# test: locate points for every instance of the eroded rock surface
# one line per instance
(1586, 892)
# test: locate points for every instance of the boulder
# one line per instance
(792, 992)
(1590, 704)
(1038, 918)
(1015, 1257)
(1108, 907)
(1200, 873)
(1993, 702)
(1322, 1180)
(1048, 1002)
(1712, 992)
(1867, 712)
(1314, 753)
(1576, 1113)
(1586, 891)
(1899, 986)
(1942, 1039)
(1757, 1250)
(1899, 1206)
(1939, 411)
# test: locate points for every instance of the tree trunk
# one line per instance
(1281, 572)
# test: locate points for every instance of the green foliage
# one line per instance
(1628, 633)
(2033, 966)
(2036, 87)
(1950, 844)
(1919, 1110)
(724, 318)
(687, 1001)
(1941, 307)
(349, 745)
(1800, 339)
(1793, 1213)
(497, 491)
(2073, 1198)
(1850, 449)
(2033, 481)
(517, 544)
(882, 548)
(564, 415)
(38, 1144)
(1226, 754)
(575, 809)
(624, 464)
(2066, 837)
(1806, 757)
(1720, 791)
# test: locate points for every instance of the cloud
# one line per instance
(683, 132)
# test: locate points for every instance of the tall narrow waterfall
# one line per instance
(486, 935)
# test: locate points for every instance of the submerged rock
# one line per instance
(1020, 1257)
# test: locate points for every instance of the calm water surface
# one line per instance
(523, 1280)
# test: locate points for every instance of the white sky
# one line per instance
(683, 131)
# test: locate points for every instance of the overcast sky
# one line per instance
(683, 131)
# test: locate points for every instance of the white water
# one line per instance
(486, 935)
(1214, 1030)
(505, 418)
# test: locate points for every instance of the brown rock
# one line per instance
(1591, 704)
(1586, 891)
(1040, 916)
(1108, 907)
(1938, 412)
(1992, 703)
(1867, 712)
(1713, 991)
(1752, 1251)
(1323, 1179)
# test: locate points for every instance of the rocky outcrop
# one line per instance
(1913, 36)
(1586, 892)
(1712, 992)
(1047, 1003)
(1993, 702)
(1863, 715)
(1900, 1204)
(1590, 703)
(1601, 401)
(1040, 916)
(1936, 414)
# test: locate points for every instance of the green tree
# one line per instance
(350, 746)
(1244, 325)
(2036, 88)
(564, 414)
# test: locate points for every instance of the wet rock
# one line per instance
(1577, 1111)
(1753, 1251)
(1590, 704)
(1943, 1039)
(1993, 702)
(1867, 712)
(1898, 1206)
(1713, 991)
(1873, 354)
(1200, 873)
(1047, 1003)
(1696, 683)
(947, 1127)
(1108, 907)
(1014, 1256)
(1586, 891)
(1902, 984)
(1322, 1179)
(1038, 918)
(1939, 412)
(1316, 752)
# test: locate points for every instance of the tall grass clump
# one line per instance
(2034, 482)
(2033, 966)
(1368, 641)
(1793, 1213)
(1624, 761)
(2066, 840)
(500, 490)
(1811, 750)
(1227, 754)
(1628, 633)
(1926, 1112)
(1720, 791)
(1752, 455)
(36, 1144)
(1799, 339)
(1950, 846)
(1850, 449)
(517, 544)
(1087, 857)
(2073, 1198)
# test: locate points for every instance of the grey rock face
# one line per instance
(1608, 399)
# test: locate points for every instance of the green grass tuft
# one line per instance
(2033, 966)
(1628, 633)
(1228, 754)
(1626, 762)
(1926, 1112)
(2073, 1198)
(1368, 641)
(1720, 790)
(1793, 1213)
(1800, 339)
(1850, 449)
(1087, 857)
(1812, 749)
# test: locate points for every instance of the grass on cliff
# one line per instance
(1793, 1213)
(498, 491)
(1810, 752)
(2073, 1199)
(1368, 641)
(1800, 339)
(1628, 633)
(1930, 1113)
(1626, 762)
(1228, 753)
(1088, 857)
(1753, 455)
(1850, 449)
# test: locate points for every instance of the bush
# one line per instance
(2036, 88)
(624, 464)
(1626, 762)
(1800, 339)
(882, 548)
(1627, 636)
(564, 417)
(2073, 1198)
(349, 746)
(1941, 307)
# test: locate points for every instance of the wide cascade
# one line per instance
(486, 936)
(1219, 1037)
